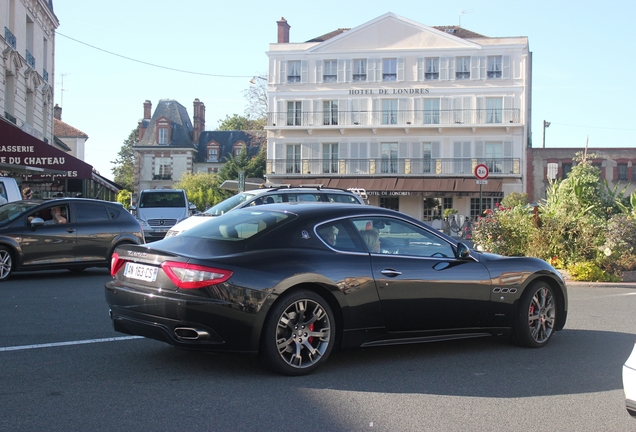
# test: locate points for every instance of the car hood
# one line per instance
(190, 222)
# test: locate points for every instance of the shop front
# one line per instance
(49, 172)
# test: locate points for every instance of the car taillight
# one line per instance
(116, 263)
(192, 276)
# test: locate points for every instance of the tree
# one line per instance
(202, 189)
(124, 165)
(256, 95)
(238, 122)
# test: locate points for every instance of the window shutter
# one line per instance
(435, 150)
(416, 150)
(279, 151)
(400, 69)
(451, 68)
(378, 70)
(420, 69)
(303, 71)
(445, 117)
(474, 68)
(341, 77)
(283, 73)
(376, 115)
(403, 150)
(280, 114)
(314, 150)
(466, 149)
(483, 62)
(443, 68)
(364, 151)
(371, 70)
(508, 102)
(342, 150)
(348, 71)
(479, 149)
(505, 73)
(354, 151)
(317, 115)
(403, 111)
(457, 149)
(374, 150)
(318, 71)
(507, 149)
(418, 106)
(305, 106)
(343, 112)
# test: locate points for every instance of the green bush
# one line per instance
(590, 272)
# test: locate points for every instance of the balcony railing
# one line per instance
(162, 177)
(10, 38)
(402, 118)
(395, 166)
(30, 59)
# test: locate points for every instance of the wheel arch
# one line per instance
(323, 292)
(561, 299)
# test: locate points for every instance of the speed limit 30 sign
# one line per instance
(481, 172)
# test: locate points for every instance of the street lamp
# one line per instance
(546, 124)
(253, 80)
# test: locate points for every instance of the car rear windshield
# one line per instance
(228, 204)
(239, 225)
(162, 199)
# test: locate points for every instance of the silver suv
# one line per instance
(158, 210)
(269, 196)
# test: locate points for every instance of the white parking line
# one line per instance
(80, 342)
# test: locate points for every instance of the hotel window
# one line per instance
(494, 67)
(330, 71)
(389, 111)
(462, 68)
(389, 69)
(294, 113)
(162, 169)
(330, 112)
(494, 156)
(293, 74)
(162, 136)
(622, 171)
(359, 70)
(432, 68)
(494, 109)
(389, 158)
(431, 111)
(292, 160)
(330, 158)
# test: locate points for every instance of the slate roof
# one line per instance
(227, 139)
(328, 35)
(453, 30)
(181, 126)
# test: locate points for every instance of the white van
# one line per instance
(159, 209)
(9, 190)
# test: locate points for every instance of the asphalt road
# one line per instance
(63, 368)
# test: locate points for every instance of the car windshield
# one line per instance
(10, 211)
(239, 225)
(228, 204)
(162, 199)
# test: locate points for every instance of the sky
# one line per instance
(111, 56)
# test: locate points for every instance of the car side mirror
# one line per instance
(132, 208)
(36, 222)
(462, 251)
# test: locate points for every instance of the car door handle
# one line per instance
(390, 272)
(70, 230)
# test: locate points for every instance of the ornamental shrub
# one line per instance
(588, 271)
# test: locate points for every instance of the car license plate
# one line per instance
(141, 272)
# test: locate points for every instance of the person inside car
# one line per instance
(372, 239)
(328, 234)
(57, 217)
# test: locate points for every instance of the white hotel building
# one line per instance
(403, 111)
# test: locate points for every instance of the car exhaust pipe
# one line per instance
(187, 333)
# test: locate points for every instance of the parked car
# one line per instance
(269, 196)
(292, 282)
(89, 232)
(9, 190)
(629, 383)
(158, 210)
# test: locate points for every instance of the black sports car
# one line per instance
(67, 233)
(293, 282)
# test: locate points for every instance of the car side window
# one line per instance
(397, 237)
(303, 197)
(342, 198)
(90, 212)
(337, 236)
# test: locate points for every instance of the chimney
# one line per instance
(198, 119)
(142, 123)
(283, 30)
(57, 112)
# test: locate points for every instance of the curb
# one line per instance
(578, 284)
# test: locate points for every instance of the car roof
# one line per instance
(325, 209)
(307, 189)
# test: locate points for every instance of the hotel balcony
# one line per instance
(422, 167)
(395, 118)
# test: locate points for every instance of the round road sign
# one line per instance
(481, 172)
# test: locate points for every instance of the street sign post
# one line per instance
(481, 172)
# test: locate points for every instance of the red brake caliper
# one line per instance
(310, 328)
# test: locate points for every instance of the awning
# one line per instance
(470, 185)
(18, 148)
(425, 185)
(108, 184)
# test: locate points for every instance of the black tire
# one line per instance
(6, 263)
(298, 334)
(536, 316)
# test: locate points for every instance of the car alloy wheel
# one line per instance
(536, 316)
(6, 263)
(298, 334)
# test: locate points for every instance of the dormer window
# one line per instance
(238, 148)
(163, 131)
(213, 151)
